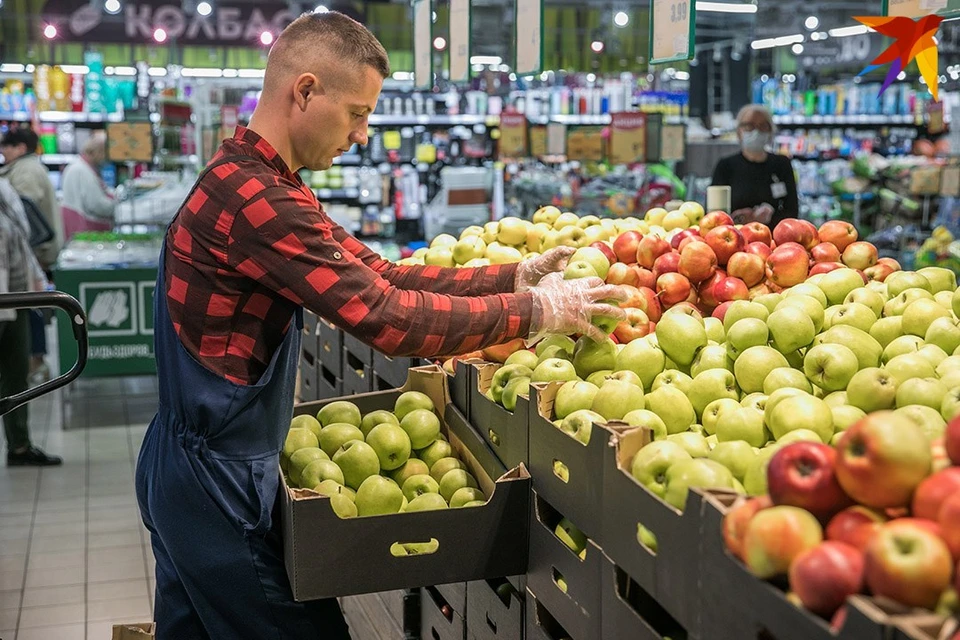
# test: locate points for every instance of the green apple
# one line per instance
(800, 435)
(579, 424)
(515, 388)
(674, 408)
(681, 336)
(553, 352)
(436, 450)
(870, 299)
(443, 465)
(335, 434)
(920, 314)
(597, 378)
(944, 333)
(928, 392)
(867, 350)
(426, 502)
(462, 497)
(673, 378)
(439, 257)
(844, 416)
(391, 443)
(852, 314)
(950, 408)
(910, 365)
(412, 401)
(595, 258)
(901, 346)
(755, 364)
(795, 358)
(837, 284)
(695, 473)
(306, 422)
(643, 358)
(579, 269)
(646, 537)
(715, 330)
(776, 398)
(790, 329)
(713, 411)
(712, 356)
(418, 485)
(940, 279)
(297, 438)
(454, 480)
(872, 389)
(830, 366)
(836, 399)
(812, 308)
(896, 305)
(951, 363)
(756, 400)
(645, 418)
(886, 330)
(928, 419)
(879, 287)
(372, 419)
(802, 412)
(422, 426)
(755, 479)
(625, 376)
(523, 357)
(504, 375)
(746, 333)
(900, 281)
(573, 396)
(565, 343)
(616, 398)
(469, 248)
(332, 488)
(944, 299)
(786, 377)
(950, 379)
(808, 289)
(710, 386)
(694, 443)
(377, 496)
(410, 468)
(955, 303)
(319, 470)
(932, 354)
(590, 356)
(443, 240)
(741, 309)
(650, 464)
(358, 461)
(553, 369)
(301, 458)
(571, 536)
(339, 411)
(768, 300)
(742, 424)
(735, 455)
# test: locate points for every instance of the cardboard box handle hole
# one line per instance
(561, 471)
(407, 549)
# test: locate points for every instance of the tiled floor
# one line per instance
(74, 556)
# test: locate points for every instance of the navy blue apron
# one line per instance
(207, 484)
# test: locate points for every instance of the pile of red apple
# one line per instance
(868, 516)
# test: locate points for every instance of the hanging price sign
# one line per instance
(628, 138)
(459, 40)
(513, 135)
(422, 44)
(672, 25)
(529, 36)
(914, 9)
(538, 141)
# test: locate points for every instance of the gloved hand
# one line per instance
(529, 272)
(567, 306)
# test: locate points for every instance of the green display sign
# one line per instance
(672, 27)
(119, 308)
(919, 8)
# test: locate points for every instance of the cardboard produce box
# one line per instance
(459, 384)
(309, 389)
(492, 616)
(357, 376)
(743, 606)
(327, 556)
(628, 612)
(328, 385)
(130, 631)
(359, 350)
(539, 623)
(330, 347)
(507, 432)
(925, 626)
(554, 564)
(669, 574)
(455, 594)
(438, 620)
(394, 370)
(310, 341)
(368, 617)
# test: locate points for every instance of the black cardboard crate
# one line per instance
(379, 384)
(369, 618)
(476, 543)
(455, 594)
(394, 370)
(669, 575)
(488, 616)
(507, 432)
(359, 350)
(309, 385)
(459, 384)
(627, 612)
(438, 620)
(924, 626)
(743, 606)
(567, 473)
(310, 341)
(540, 623)
(330, 347)
(577, 610)
(328, 385)
(357, 376)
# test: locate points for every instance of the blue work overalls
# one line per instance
(207, 484)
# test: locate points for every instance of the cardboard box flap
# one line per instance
(546, 395)
(133, 631)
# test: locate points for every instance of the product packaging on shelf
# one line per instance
(505, 431)
(327, 556)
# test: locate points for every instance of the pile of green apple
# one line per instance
(381, 463)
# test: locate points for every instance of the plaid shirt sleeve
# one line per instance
(482, 281)
(280, 239)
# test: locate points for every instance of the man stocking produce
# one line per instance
(248, 249)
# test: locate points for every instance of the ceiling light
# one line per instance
(726, 7)
(855, 30)
(485, 59)
(321, 9)
(160, 35)
(266, 38)
(204, 8)
(591, 77)
(811, 23)
(112, 7)
(49, 32)
(621, 19)
(797, 49)
(439, 43)
(596, 46)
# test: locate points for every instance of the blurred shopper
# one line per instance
(87, 204)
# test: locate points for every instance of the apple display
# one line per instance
(579, 424)
(648, 419)
(872, 389)
(674, 408)
(649, 248)
(625, 246)
(737, 519)
(786, 377)
(927, 418)
(909, 564)
(651, 463)
(694, 473)
(573, 396)
(788, 265)
(422, 426)
(839, 233)
(713, 220)
(643, 358)
(697, 262)
(672, 288)
(860, 255)
(300, 459)
(378, 496)
(825, 252)
(680, 337)
(886, 330)
(725, 240)
(693, 443)
(855, 526)
(712, 385)
(928, 392)
(616, 398)
(790, 329)
(553, 369)
(712, 356)
(776, 536)
(909, 365)
(830, 366)
(803, 475)
(867, 350)
(412, 467)
(590, 356)
(730, 289)
(801, 412)
(754, 365)
(411, 401)
(933, 491)
(340, 411)
(810, 306)
(741, 424)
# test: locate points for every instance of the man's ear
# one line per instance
(304, 88)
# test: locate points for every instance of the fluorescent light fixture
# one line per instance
(250, 73)
(726, 7)
(229, 73)
(485, 59)
(157, 72)
(75, 68)
(11, 68)
(190, 72)
(124, 71)
(855, 30)
(403, 75)
(682, 75)
(782, 41)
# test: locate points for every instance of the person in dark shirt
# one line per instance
(762, 185)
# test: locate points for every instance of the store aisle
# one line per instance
(74, 557)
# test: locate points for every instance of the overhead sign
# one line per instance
(528, 24)
(459, 40)
(422, 44)
(672, 24)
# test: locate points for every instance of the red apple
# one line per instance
(838, 233)
(721, 310)
(625, 246)
(667, 263)
(855, 525)
(748, 267)
(929, 525)
(860, 255)
(672, 288)
(635, 326)
(881, 460)
(646, 300)
(707, 296)
(688, 240)
(949, 520)
(951, 440)
(622, 273)
(802, 475)
(776, 536)
(649, 249)
(713, 220)
(758, 248)
(826, 575)
(606, 249)
(909, 564)
(681, 236)
(890, 262)
(736, 520)
(756, 232)
(645, 277)
(793, 230)
(725, 241)
(878, 272)
(788, 264)
(823, 267)
(934, 489)
(697, 262)
(730, 289)
(825, 252)
(758, 290)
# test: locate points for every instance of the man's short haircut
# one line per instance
(21, 135)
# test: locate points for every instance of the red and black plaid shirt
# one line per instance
(252, 244)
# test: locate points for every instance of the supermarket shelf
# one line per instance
(447, 120)
(865, 120)
(352, 193)
(58, 158)
(63, 116)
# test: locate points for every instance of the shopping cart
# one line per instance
(78, 321)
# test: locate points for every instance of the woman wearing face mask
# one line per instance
(762, 184)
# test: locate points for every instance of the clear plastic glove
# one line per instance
(530, 272)
(568, 306)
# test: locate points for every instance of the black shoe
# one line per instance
(32, 457)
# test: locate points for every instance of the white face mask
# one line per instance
(756, 140)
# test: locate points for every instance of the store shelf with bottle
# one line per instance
(794, 101)
(833, 143)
